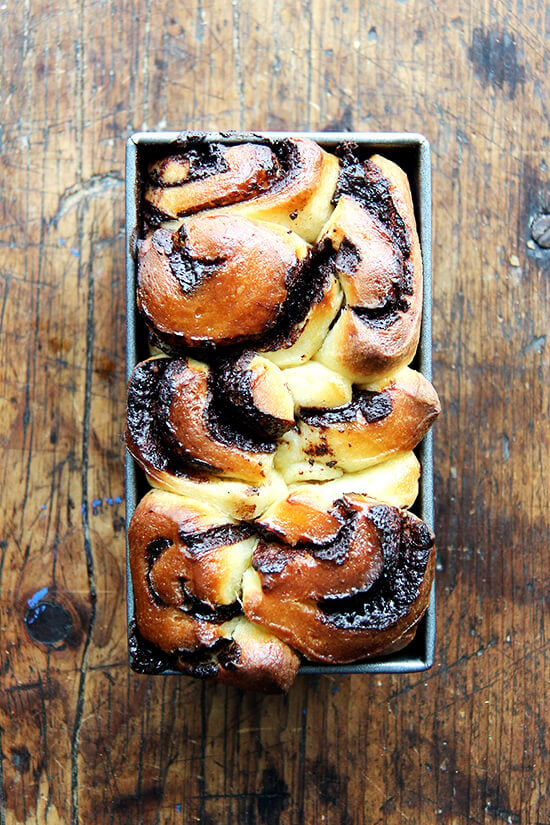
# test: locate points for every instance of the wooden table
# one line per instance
(84, 740)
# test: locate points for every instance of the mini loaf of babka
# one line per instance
(277, 415)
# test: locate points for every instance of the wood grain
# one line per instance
(84, 740)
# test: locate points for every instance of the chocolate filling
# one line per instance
(373, 406)
(271, 556)
(150, 396)
(204, 158)
(143, 421)
(230, 430)
(306, 285)
(145, 656)
(189, 271)
(387, 521)
(364, 182)
(347, 258)
(232, 387)
(153, 216)
(203, 611)
(222, 536)
(203, 662)
(146, 423)
(392, 595)
(382, 317)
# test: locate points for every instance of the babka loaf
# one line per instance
(277, 415)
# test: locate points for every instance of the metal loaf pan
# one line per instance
(412, 153)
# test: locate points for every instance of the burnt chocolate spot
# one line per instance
(318, 450)
(373, 406)
(48, 623)
(495, 59)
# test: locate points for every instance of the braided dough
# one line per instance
(276, 421)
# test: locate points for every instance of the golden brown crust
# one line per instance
(302, 199)
(240, 172)
(187, 562)
(220, 279)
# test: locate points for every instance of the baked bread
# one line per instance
(187, 562)
(342, 584)
(282, 286)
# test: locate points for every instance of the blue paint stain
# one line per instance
(75, 252)
(37, 597)
(62, 242)
(98, 503)
(178, 808)
(335, 689)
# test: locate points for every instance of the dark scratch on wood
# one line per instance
(3, 806)
(238, 59)
(87, 544)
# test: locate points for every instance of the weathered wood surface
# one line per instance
(82, 739)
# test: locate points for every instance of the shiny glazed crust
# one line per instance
(284, 284)
(357, 585)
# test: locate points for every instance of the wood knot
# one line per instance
(540, 231)
(52, 621)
